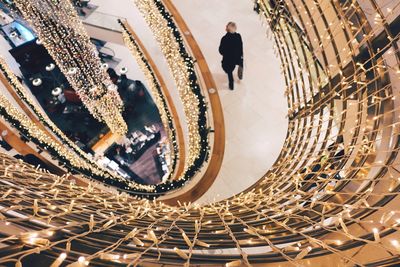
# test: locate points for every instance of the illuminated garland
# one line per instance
(156, 91)
(182, 68)
(60, 30)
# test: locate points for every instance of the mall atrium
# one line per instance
(221, 133)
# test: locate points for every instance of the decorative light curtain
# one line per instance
(61, 32)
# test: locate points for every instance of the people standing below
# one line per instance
(231, 49)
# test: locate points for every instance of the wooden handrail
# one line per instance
(218, 148)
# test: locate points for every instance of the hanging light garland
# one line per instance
(61, 32)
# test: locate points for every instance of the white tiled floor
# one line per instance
(255, 111)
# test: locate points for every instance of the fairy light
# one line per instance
(59, 260)
(377, 237)
(82, 260)
(395, 243)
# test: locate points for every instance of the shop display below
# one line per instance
(144, 154)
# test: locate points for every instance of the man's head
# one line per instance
(231, 27)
